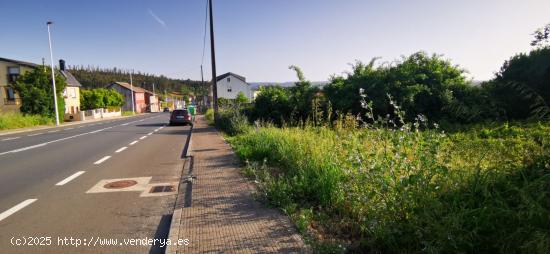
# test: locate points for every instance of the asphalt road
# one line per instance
(51, 186)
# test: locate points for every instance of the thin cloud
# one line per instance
(160, 21)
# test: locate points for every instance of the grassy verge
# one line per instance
(402, 191)
(127, 113)
(17, 120)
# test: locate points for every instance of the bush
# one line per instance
(16, 120)
(232, 122)
(35, 89)
(209, 116)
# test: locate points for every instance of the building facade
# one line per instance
(10, 70)
(71, 94)
(126, 90)
(230, 84)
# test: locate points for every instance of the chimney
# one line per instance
(62, 64)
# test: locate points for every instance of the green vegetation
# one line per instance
(362, 165)
(209, 115)
(95, 77)
(17, 120)
(35, 90)
(402, 190)
(241, 98)
(127, 113)
(100, 98)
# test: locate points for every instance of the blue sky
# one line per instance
(259, 39)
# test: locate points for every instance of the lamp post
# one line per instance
(53, 75)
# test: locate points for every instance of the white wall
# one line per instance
(235, 85)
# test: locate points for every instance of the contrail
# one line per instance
(160, 21)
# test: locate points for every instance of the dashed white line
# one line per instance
(124, 124)
(30, 135)
(70, 178)
(102, 160)
(134, 142)
(149, 134)
(53, 131)
(6, 139)
(16, 208)
(143, 137)
(121, 149)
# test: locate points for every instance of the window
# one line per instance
(13, 73)
(228, 80)
(10, 93)
(229, 90)
(13, 70)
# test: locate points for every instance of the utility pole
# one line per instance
(154, 95)
(53, 75)
(213, 57)
(132, 93)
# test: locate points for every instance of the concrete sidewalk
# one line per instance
(221, 215)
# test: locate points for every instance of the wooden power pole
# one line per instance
(213, 56)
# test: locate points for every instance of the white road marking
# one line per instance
(149, 134)
(16, 208)
(143, 137)
(81, 126)
(133, 143)
(70, 178)
(121, 149)
(102, 160)
(124, 124)
(30, 135)
(49, 142)
(6, 139)
(53, 131)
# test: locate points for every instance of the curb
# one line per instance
(47, 127)
(175, 223)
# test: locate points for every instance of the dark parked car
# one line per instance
(180, 116)
(166, 109)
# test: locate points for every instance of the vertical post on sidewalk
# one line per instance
(213, 57)
(132, 93)
(53, 75)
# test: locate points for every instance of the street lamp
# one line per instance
(53, 75)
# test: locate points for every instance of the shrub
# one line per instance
(209, 115)
(232, 122)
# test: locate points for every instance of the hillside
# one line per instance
(95, 77)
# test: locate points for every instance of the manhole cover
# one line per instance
(120, 184)
(164, 188)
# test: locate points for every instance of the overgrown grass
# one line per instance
(209, 116)
(18, 120)
(127, 113)
(404, 190)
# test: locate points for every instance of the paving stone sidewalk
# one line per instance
(224, 217)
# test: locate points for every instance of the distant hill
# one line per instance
(95, 77)
(256, 85)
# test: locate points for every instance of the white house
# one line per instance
(230, 84)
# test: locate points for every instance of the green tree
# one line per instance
(35, 89)
(100, 98)
(272, 104)
(420, 83)
(541, 37)
(241, 98)
(522, 87)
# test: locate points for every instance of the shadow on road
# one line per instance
(162, 233)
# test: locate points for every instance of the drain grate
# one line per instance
(120, 184)
(162, 188)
